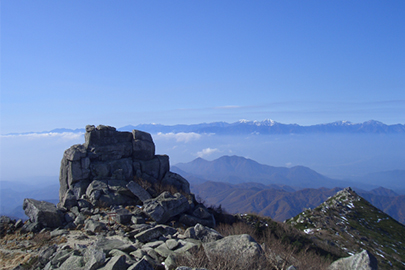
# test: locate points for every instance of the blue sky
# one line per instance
(73, 63)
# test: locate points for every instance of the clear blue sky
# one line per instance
(72, 63)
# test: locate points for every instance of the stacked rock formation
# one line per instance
(100, 169)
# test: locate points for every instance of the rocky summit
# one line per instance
(349, 222)
(120, 207)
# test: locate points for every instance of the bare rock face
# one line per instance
(101, 168)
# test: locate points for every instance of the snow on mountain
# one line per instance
(267, 126)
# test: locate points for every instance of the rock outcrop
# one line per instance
(101, 168)
(114, 168)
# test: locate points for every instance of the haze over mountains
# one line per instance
(243, 185)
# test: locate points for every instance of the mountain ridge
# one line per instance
(350, 222)
(267, 126)
(236, 169)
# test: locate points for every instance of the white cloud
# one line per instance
(207, 151)
(64, 135)
(179, 137)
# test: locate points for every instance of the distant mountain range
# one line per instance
(235, 169)
(272, 127)
(257, 127)
(243, 185)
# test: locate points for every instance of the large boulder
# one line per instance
(361, 261)
(44, 213)
(239, 247)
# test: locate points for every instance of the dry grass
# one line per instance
(282, 246)
(223, 261)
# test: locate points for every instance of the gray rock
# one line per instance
(84, 204)
(69, 217)
(116, 263)
(190, 245)
(61, 256)
(189, 220)
(361, 261)
(106, 244)
(19, 223)
(202, 212)
(150, 234)
(190, 233)
(31, 227)
(164, 251)
(79, 220)
(138, 191)
(138, 220)
(170, 263)
(93, 226)
(166, 206)
(94, 258)
(122, 216)
(152, 244)
(189, 268)
(73, 262)
(69, 200)
(58, 232)
(177, 181)
(71, 170)
(44, 213)
(106, 143)
(143, 146)
(206, 234)
(141, 265)
(45, 255)
(240, 247)
(117, 252)
(172, 244)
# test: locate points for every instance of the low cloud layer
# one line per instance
(206, 152)
(64, 135)
(179, 137)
